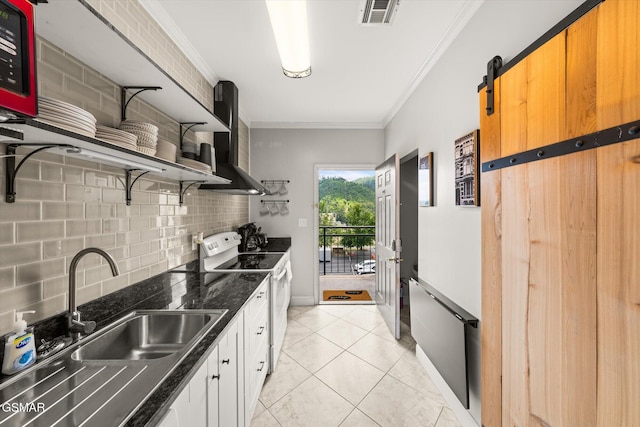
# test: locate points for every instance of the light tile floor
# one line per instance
(340, 366)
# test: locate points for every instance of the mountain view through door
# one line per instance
(346, 236)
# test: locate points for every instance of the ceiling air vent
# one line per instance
(378, 12)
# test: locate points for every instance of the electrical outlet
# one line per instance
(302, 222)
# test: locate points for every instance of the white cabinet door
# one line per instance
(213, 392)
(198, 398)
(215, 395)
(190, 408)
(256, 350)
(178, 414)
(228, 381)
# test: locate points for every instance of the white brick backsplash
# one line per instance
(39, 271)
(37, 231)
(62, 247)
(63, 210)
(7, 278)
(6, 233)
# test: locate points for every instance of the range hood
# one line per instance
(226, 145)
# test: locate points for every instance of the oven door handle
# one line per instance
(281, 275)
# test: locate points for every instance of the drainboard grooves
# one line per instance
(85, 399)
(9, 390)
(34, 387)
(113, 412)
(64, 397)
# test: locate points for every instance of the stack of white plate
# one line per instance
(166, 150)
(146, 132)
(194, 164)
(117, 137)
(66, 116)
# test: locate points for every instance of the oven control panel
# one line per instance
(218, 243)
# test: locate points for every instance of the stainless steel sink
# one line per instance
(150, 334)
(105, 377)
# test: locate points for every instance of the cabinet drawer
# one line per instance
(256, 372)
(256, 331)
(258, 302)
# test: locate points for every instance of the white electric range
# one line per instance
(219, 253)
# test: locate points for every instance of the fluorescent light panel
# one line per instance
(289, 23)
(100, 156)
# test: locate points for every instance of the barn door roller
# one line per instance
(492, 72)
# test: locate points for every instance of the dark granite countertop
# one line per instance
(183, 289)
(277, 244)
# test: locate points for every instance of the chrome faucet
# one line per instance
(76, 326)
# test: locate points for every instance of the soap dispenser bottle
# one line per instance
(20, 349)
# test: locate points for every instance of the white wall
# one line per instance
(292, 154)
(445, 107)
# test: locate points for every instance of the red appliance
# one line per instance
(18, 90)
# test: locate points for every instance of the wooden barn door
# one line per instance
(618, 293)
(561, 237)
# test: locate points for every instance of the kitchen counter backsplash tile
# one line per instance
(184, 289)
(65, 204)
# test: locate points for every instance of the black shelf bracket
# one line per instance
(129, 183)
(11, 170)
(183, 189)
(124, 102)
(186, 126)
(610, 136)
(493, 67)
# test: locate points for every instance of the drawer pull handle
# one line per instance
(261, 366)
(215, 377)
(260, 331)
(225, 361)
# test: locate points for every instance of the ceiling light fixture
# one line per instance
(289, 23)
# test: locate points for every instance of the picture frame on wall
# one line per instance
(466, 169)
(425, 181)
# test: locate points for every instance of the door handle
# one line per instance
(281, 275)
(396, 260)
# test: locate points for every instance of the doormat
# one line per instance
(332, 295)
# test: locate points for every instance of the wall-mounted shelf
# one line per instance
(83, 32)
(71, 144)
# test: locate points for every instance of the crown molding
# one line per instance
(465, 14)
(317, 125)
(168, 25)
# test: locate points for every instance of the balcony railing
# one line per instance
(342, 247)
